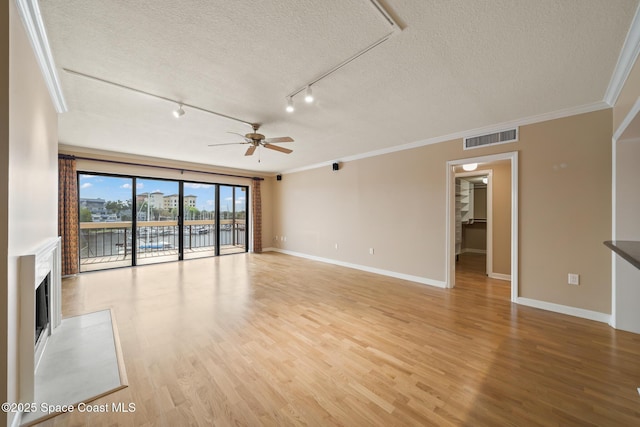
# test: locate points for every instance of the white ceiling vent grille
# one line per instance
(502, 137)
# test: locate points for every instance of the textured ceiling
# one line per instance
(455, 66)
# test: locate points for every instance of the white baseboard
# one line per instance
(411, 278)
(500, 276)
(565, 309)
(474, 251)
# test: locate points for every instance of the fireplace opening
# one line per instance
(42, 309)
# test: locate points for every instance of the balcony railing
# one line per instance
(111, 242)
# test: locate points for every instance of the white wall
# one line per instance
(627, 227)
(32, 177)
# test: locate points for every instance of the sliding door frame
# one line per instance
(180, 218)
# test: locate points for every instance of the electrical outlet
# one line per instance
(371, 251)
(574, 279)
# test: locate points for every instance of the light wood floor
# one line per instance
(275, 340)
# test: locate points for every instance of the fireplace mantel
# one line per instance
(34, 267)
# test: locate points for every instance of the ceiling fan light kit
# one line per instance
(257, 140)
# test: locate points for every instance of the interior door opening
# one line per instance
(501, 211)
(473, 221)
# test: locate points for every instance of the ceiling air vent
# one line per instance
(501, 137)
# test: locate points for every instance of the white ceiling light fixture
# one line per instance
(308, 97)
(470, 167)
(290, 108)
(485, 180)
(394, 29)
(179, 112)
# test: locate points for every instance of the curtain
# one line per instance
(68, 214)
(256, 210)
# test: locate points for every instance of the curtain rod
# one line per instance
(119, 162)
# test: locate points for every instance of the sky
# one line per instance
(112, 188)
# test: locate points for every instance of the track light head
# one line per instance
(179, 112)
(308, 97)
(290, 108)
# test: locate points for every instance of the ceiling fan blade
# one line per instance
(227, 143)
(241, 135)
(280, 149)
(250, 150)
(279, 139)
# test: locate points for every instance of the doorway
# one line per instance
(511, 249)
(474, 220)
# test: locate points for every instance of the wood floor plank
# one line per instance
(269, 339)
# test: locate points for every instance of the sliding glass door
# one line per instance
(157, 214)
(105, 212)
(127, 221)
(233, 219)
(200, 233)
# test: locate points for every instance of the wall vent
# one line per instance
(502, 137)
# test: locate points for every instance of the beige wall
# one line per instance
(501, 217)
(395, 203)
(32, 175)
(565, 211)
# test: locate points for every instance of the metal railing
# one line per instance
(112, 241)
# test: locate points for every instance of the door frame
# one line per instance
(450, 216)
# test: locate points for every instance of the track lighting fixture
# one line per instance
(179, 112)
(308, 97)
(290, 108)
(394, 27)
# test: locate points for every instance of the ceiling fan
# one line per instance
(257, 140)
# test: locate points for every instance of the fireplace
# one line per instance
(42, 316)
(40, 309)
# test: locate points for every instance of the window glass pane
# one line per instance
(199, 220)
(233, 212)
(157, 212)
(105, 210)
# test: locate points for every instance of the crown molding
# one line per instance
(626, 60)
(32, 20)
(558, 114)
